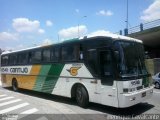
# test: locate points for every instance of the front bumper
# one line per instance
(130, 99)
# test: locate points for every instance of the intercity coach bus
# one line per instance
(108, 70)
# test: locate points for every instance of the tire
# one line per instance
(157, 85)
(82, 96)
(15, 85)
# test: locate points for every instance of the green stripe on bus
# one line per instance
(51, 80)
(41, 79)
(48, 77)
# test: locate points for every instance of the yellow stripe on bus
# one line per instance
(31, 80)
(25, 81)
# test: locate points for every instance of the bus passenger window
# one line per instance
(4, 60)
(13, 59)
(55, 54)
(69, 53)
(22, 58)
(29, 57)
(46, 55)
(36, 56)
(81, 56)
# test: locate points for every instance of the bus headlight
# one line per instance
(132, 89)
(126, 90)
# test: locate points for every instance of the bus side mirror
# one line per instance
(117, 56)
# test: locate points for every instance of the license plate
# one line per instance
(144, 94)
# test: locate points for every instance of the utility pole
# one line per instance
(127, 16)
(126, 29)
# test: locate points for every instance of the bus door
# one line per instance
(108, 89)
(92, 61)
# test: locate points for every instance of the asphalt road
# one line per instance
(38, 106)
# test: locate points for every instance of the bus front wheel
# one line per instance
(82, 96)
(14, 85)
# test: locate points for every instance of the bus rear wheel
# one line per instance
(15, 85)
(82, 96)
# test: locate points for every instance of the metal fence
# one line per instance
(141, 27)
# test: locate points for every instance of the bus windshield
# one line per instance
(131, 58)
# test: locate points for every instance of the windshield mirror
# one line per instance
(117, 55)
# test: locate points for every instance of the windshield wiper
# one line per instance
(129, 76)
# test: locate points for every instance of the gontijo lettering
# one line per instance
(19, 70)
(16, 70)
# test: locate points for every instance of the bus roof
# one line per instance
(113, 36)
(7, 52)
(110, 35)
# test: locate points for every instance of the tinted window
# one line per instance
(13, 59)
(92, 61)
(97, 43)
(46, 55)
(22, 58)
(35, 56)
(132, 58)
(55, 54)
(69, 53)
(4, 60)
(106, 66)
(81, 52)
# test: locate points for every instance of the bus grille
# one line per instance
(139, 87)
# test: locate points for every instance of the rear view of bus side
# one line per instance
(108, 70)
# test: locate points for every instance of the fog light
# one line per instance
(125, 90)
(151, 91)
(132, 89)
(132, 98)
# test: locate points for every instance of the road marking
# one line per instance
(3, 95)
(13, 108)
(30, 111)
(9, 102)
(6, 98)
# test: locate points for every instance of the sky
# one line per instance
(28, 23)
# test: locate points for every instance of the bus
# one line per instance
(108, 70)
